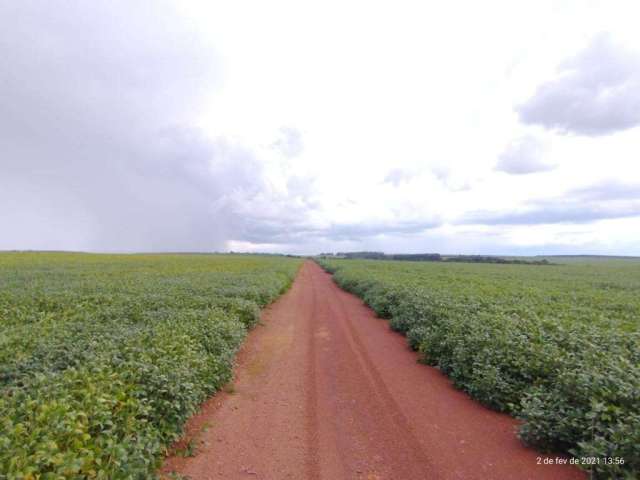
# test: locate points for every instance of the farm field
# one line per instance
(555, 345)
(104, 357)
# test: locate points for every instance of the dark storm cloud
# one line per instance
(596, 93)
(523, 156)
(97, 149)
(605, 200)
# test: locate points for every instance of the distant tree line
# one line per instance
(434, 257)
(492, 259)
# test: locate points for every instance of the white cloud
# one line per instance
(289, 142)
(597, 92)
(522, 156)
(398, 176)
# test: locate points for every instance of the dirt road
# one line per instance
(325, 390)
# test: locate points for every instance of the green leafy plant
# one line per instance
(558, 347)
(103, 358)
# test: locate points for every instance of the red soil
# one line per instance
(325, 390)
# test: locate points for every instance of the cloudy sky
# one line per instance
(496, 127)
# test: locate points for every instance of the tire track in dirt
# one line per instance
(373, 434)
(313, 464)
(325, 390)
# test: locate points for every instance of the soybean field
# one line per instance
(557, 346)
(104, 357)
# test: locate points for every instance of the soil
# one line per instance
(324, 389)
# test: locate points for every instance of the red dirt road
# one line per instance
(325, 390)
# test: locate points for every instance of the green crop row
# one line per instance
(556, 346)
(103, 357)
